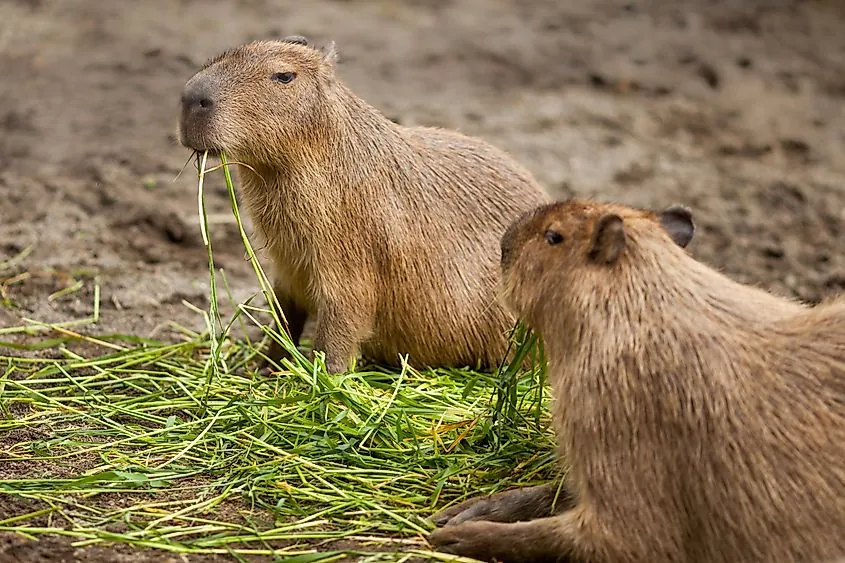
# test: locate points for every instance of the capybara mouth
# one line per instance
(198, 142)
(212, 151)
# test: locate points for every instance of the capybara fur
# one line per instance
(703, 420)
(387, 235)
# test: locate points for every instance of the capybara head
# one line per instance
(257, 98)
(577, 247)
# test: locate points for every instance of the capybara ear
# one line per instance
(295, 39)
(608, 239)
(330, 54)
(677, 222)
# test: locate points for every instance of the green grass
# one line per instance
(184, 447)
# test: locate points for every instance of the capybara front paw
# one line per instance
(513, 505)
(472, 539)
(336, 364)
(473, 509)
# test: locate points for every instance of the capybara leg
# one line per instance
(339, 336)
(514, 505)
(542, 540)
(296, 317)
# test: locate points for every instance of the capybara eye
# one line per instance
(553, 237)
(284, 77)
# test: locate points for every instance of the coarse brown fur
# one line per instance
(388, 235)
(703, 420)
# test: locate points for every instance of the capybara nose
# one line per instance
(197, 97)
(508, 242)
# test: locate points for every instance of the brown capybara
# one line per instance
(387, 235)
(703, 420)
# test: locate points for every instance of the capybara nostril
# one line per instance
(194, 103)
(197, 97)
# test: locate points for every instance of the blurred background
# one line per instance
(734, 108)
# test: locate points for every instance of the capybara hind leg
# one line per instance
(514, 505)
(537, 541)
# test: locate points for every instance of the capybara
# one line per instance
(386, 235)
(703, 420)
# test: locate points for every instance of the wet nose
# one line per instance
(507, 245)
(197, 97)
(512, 235)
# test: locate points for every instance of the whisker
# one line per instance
(190, 156)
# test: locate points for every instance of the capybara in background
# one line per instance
(387, 235)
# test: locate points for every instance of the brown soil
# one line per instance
(733, 108)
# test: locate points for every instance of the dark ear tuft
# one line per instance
(295, 39)
(678, 224)
(608, 240)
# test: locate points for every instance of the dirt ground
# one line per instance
(733, 108)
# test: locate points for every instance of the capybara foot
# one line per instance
(513, 505)
(524, 542)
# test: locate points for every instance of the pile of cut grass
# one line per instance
(184, 447)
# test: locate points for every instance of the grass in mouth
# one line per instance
(184, 447)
